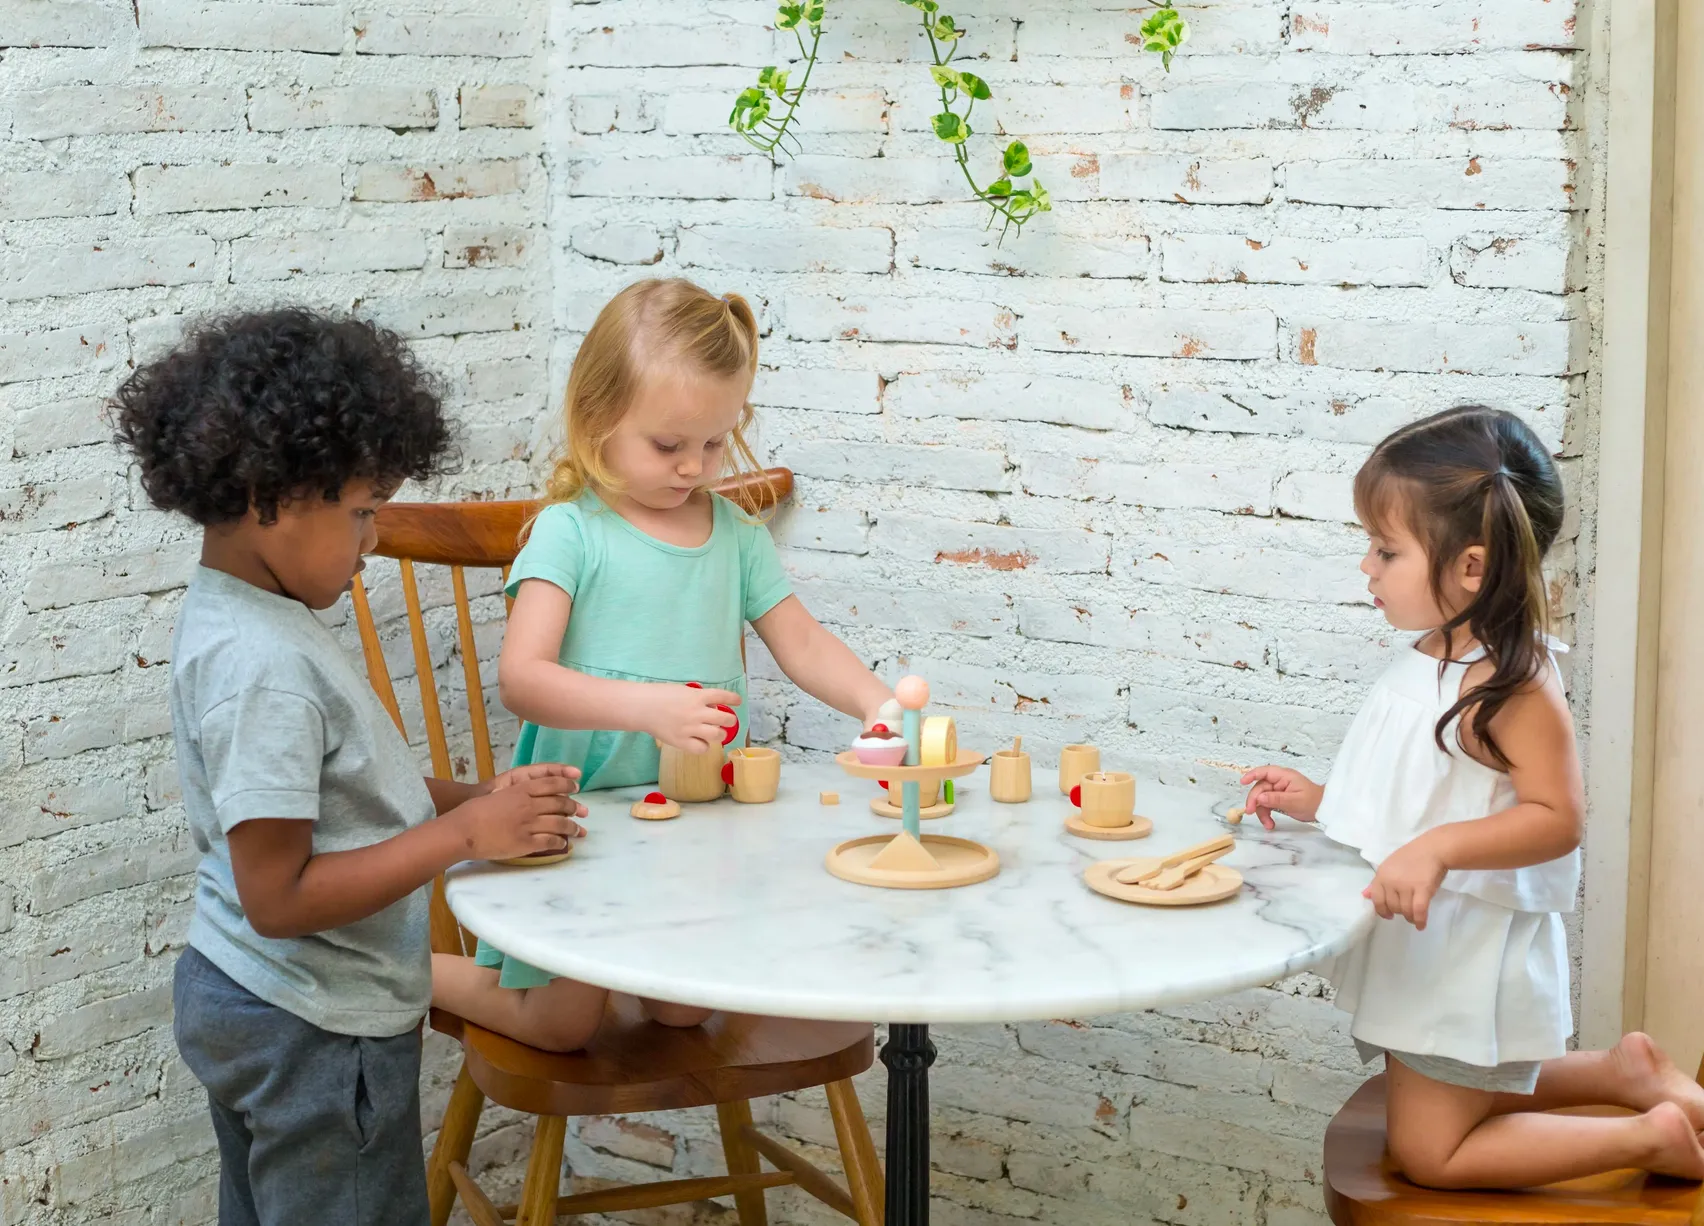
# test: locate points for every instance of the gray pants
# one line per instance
(313, 1127)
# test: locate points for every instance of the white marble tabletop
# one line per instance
(729, 906)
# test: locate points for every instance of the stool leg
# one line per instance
(857, 1152)
(544, 1173)
(455, 1138)
(742, 1160)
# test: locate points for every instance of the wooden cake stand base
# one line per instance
(1139, 828)
(900, 862)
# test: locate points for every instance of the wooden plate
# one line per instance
(1211, 884)
(1139, 828)
(539, 859)
(964, 764)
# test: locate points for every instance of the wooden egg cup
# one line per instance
(1009, 777)
(901, 862)
(756, 774)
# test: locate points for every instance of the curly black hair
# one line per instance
(256, 409)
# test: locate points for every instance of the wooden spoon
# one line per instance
(1172, 878)
(1142, 874)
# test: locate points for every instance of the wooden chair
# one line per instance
(632, 1065)
(1362, 1188)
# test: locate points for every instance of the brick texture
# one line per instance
(1093, 480)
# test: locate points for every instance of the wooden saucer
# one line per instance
(1213, 883)
(937, 862)
(539, 859)
(1139, 828)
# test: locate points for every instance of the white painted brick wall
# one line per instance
(218, 155)
(1093, 481)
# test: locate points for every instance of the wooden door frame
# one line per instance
(1640, 300)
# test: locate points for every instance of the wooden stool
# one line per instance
(1363, 1189)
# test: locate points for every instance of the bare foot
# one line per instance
(666, 1013)
(1674, 1145)
(1652, 1078)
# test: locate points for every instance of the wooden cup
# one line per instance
(1107, 799)
(1009, 776)
(757, 774)
(690, 777)
(928, 794)
(1075, 761)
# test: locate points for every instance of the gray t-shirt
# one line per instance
(272, 721)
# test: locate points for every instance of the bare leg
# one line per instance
(666, 1013)
(1635, 1074)
(1446, 1136)
(561, 1016)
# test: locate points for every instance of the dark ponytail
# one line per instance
(1476, 476)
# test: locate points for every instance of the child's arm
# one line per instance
(1536, 733)
(288, 891)
(818, 662)
(536, 687)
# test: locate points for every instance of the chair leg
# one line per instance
(544, 1173)
(858, 1153)
(742, 1160)
(455, 1138)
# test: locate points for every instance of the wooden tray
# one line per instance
(964, 764)
(1212, 884)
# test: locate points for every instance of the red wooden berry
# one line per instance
(732, 730)
(728, 773)
(693, 685)
(656, 798)
(1077, 796)
(882, 784)
(880, 728)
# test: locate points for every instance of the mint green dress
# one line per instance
(644, 610)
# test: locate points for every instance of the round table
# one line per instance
(729, 906)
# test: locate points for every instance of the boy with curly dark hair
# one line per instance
(299, 1000)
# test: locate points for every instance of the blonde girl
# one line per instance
(633, 588)
(1459, 781)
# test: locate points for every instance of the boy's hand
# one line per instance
(530, 809)
(1282, 790)
(687, 716)
(1406, 881)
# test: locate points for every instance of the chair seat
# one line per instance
(638, 1065)
(1363, 1189)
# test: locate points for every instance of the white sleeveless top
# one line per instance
(1486, 981)
(1391, 783)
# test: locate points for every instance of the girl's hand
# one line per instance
(530, 809)
(1406, 881)
(687, 716)
(1278, 789)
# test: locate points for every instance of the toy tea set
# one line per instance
(915, 767)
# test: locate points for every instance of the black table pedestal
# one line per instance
(908, 1053)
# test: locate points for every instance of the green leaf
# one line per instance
(945, 77)
(924, 6)
(1043, 202)
(788, 16)
(1017, 159)
(750, 109)
(1000, 187)
(1164, 31)
(945, 30)
(975, 86)
(813, 15)
(773, 79)
(950, 128)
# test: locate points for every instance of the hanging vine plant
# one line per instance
(767, 113)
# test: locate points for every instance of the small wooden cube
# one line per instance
(829, 798)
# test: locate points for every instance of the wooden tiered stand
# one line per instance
(632, 1065)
